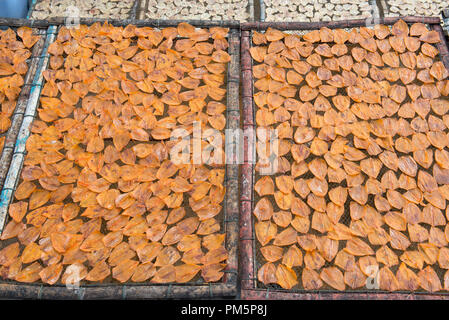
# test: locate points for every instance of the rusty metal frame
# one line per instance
(226, 288)
(248, 272)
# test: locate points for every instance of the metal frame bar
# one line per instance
(386, 7)
(445, 15)
(158, 23)
(141, 10)
(262, 10)
(373, 3)
(247, 26)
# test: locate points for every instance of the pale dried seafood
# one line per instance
(103, 9)
(99, 193)
(317, 10)
(15, 49)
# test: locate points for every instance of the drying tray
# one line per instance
(262, 8)
(251, 288)
(227, 286)
(386, 6)
(143, 8)
(132, 13)
(445, 14)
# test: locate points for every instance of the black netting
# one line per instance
(345, 218)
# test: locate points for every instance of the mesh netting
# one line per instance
(345, 218)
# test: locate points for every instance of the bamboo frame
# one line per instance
(228, 285)
(248, 271)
